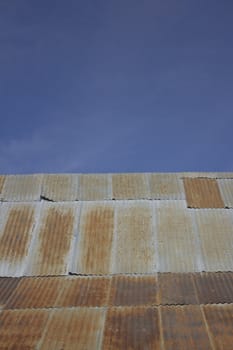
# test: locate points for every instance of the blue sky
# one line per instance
(116, 86)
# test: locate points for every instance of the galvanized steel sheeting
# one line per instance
(226, 189)
(19, 188)
(60, 187)
(94, 187)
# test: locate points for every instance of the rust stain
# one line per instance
(2, 180)
(176, 288)
(130, 186)
(131, 328)
(202, 193)
(184, 328)
(220, 322)
(7, 287)
(84, 291)
(214, 287)
(93, 187)
(33, 292)
(22, 329)
(74, 329)
(133, 290)
(60, 187)
(95, 241)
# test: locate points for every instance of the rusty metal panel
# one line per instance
(22, 329)
(226, 190)
(2, 180)
(132, 328)
(51, 251)
(133, 290)
(177, 243)
(220, 323)
(17, 221)
(216, 237)
(184, 328)
(34, 292)
(19, 188)
(130, 186)
(214, 287)
(7, 287)
(134, 247)
(177, 289)
(74, 329)
(84, 291)
(94, 187)
(202, 193)
(60, 187)
(166, 186)
(94, 243)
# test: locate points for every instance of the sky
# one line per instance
(116, 86)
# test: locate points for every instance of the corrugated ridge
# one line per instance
(226, 190)
(60, 187)
(22, 188)
(130, 186)
(94, 187)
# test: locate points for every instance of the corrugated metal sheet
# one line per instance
(184, 328)
(202, 193)
(7, 287)
(33, 292)
(94, 244)
(133, 290)
(134, 248)
(220, 323)
(130, 186)
(17, 221)
(222, 175)
(51, 252)
(74, 329)
(22, 329)
(177, 244)
(176, 288)
(60, 187)
(132, 328)
(198, 174)
(166, 186)
(94, 187)
(226, 189)
(2, 180)
(84, 291)
(216, 237)
(214, 287)
(19, 188)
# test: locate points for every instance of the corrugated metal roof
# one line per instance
(60, 187)
(130, 186)
(7, 287)
(94, 187)
(19, 188)
(226, 189)
(2, 180)
(166, 186)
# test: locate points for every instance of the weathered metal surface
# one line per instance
(7, 287)
(2, 180)
(214, 287)
(19, 188)
(94, 244)
(177, 243)
(22, 329)
(132, 328)
(202, 193)
(34, 292)
(226, 190)
(130, 186)
(134, 250)
(216, 237)
(84, 291)
(176, 288)
(54, 237)
(74, 329)
(222, 175)
(60, 187)
(16, 229)
(184, 328)
(133, 290)
(220, 323)
(209, 175)
(94, 187)
(166, 186)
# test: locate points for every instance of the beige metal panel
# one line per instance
(130, 186)
(177, 244)
(226, 189)
(215, 228)
(166, 186)
(92, 251)
(17, 221)
(60, 187)
(51, 251)
(134, 248)
(93, 187)
(198, 174)
(222, 175)
(19, 188)
(74, 329)
(2, 180)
